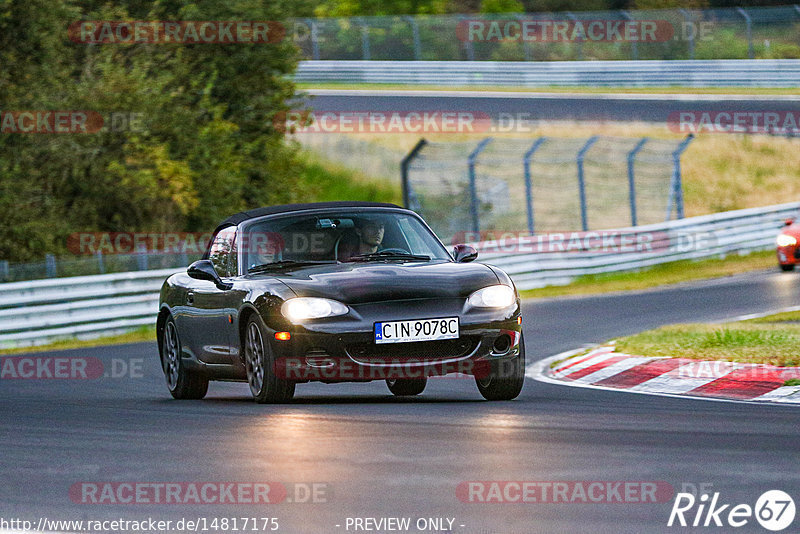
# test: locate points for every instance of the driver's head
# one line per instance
(370, 230)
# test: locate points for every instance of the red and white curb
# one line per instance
(603, 368)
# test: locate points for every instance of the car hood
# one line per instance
(359, 283)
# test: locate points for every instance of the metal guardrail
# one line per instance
(41, 311)
(688, 73)
(706, 236)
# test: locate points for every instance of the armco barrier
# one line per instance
(706, 236)
(39, 311)
(655, 73)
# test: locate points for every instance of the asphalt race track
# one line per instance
(546, 106)
(381, 456)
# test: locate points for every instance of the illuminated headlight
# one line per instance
(499, 296)
(786, 240)
(302, 308)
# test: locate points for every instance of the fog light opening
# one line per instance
(502, 344)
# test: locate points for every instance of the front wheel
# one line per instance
(505, 378)
(406, 386)
(259, 361)
(182, 383)
(787, 266)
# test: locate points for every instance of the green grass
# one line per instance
(659, 275)
(327, 181)
(145, 333)
(768, 340)
(792, 382)
(560, 89)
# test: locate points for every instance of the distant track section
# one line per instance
(656, 73)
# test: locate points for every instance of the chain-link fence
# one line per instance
(733, 33)
(544, 184)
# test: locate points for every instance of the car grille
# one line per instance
(389, 353)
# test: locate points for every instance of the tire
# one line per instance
(259, 361)
(505, 379)
(182, 383)
(787, 267)
(402, 387)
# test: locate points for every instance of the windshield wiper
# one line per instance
(388, 256)
(284, 264)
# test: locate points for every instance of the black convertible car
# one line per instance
(337, 292)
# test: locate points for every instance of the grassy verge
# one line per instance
(768, 340)
(560, 89)
(659, 275)
(326, 181)
(145, 333)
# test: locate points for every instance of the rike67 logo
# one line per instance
(774, 510)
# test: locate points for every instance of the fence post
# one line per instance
(314, 39)
(526, 163)
(5, 274)
(467, 43)
(581, 182)
(365, 53)
(141, 258)
(573, 18)
(50, 265)
(634, 45)
(749, 26)
(101, 268)
(526, 49)
(676, 183)
(415, 35)
(404, 164)
(631, 178)
(473, 189)
(687, 17)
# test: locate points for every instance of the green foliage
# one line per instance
(502, 6)
(204, 147)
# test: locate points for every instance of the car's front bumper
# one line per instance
(344, 349)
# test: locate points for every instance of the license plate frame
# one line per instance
(414, 330)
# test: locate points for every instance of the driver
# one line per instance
(369, 232)
(370, 235)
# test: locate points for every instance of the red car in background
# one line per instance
(787, 242)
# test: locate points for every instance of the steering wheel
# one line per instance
(395, 250)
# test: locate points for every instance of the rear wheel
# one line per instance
(259, 361)
(406, 386)
(505, 378)
(787, 266)
(182, 383)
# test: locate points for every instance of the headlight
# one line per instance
(786, 240)
(302, 308)
(499, 296)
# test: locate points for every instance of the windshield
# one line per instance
(340, 236)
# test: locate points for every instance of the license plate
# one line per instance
(416, 330)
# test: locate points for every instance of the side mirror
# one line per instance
(789, 221)
(204, 270)
(464, 253)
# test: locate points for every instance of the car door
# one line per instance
(210, 309)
